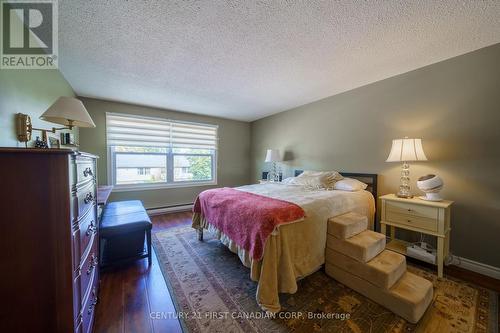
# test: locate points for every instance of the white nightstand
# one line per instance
(427, 217)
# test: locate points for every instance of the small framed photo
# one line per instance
(68, 139)
(53, 141)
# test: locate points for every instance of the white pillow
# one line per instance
(289, 181)
(311, 181)
(349, 184)
(324, 179)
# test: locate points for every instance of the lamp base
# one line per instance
(404, 195)
(274, 175)
(404, 185)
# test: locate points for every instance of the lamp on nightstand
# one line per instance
(273, 156)
(406, 150)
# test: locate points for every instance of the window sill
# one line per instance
(145, 187)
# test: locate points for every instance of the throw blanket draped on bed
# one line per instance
(247, 218)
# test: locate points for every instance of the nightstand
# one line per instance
(428, 217)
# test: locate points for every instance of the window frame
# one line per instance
(169, 155)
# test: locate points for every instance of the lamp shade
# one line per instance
(406, 150)
(68, 111)
(273, 155)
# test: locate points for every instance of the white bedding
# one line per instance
(296, 250)
(319, 203)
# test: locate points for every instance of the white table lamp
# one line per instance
(406, 150)
(273, 156)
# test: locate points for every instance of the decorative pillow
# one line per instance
(309, 181)
(322, 179)
(349, 184)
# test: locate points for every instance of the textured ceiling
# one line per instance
(248, 59)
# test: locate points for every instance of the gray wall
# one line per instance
(454, 106)
(31, 92)
(233, 151)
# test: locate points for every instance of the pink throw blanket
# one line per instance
(246, 218)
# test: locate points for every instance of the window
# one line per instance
(152, 153)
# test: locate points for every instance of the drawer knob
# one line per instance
(408, 220)
(92, 229)
(93, 264)
(410, 210)
(87, 172)
(88, 198)
(93, 302)
(92, 305)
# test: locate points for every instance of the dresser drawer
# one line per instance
(86, 198)
(412, 220)
(84, 235)
(89, 267)
(77, 304)
(412, 209)
(85, 170)
(85, 273)
(88, 308)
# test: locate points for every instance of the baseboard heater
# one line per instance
(170, 209)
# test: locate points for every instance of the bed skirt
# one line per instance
(275, 272)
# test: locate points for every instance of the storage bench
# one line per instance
(124, 227)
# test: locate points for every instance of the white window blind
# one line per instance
(134, 131)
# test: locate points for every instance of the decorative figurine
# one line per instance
(40, 144)
(431, 185)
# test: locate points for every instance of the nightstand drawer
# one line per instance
(413, 221)
(411, 209)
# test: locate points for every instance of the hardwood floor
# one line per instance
(132, 295)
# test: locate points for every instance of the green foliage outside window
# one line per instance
(200, 167)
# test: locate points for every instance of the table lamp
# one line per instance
(406, 150)
(273, 156)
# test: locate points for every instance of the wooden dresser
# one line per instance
(48, 240)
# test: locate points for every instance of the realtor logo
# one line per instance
(29, 34)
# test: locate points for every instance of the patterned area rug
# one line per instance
(214, 293)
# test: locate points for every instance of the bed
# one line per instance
(295, 250)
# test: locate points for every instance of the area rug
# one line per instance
(214, 293)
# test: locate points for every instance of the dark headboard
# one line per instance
(368, 178)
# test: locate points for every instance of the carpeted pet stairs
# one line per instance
(356, 257)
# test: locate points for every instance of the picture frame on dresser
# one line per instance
(53, 141)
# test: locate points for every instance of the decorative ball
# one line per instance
(431, 185)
